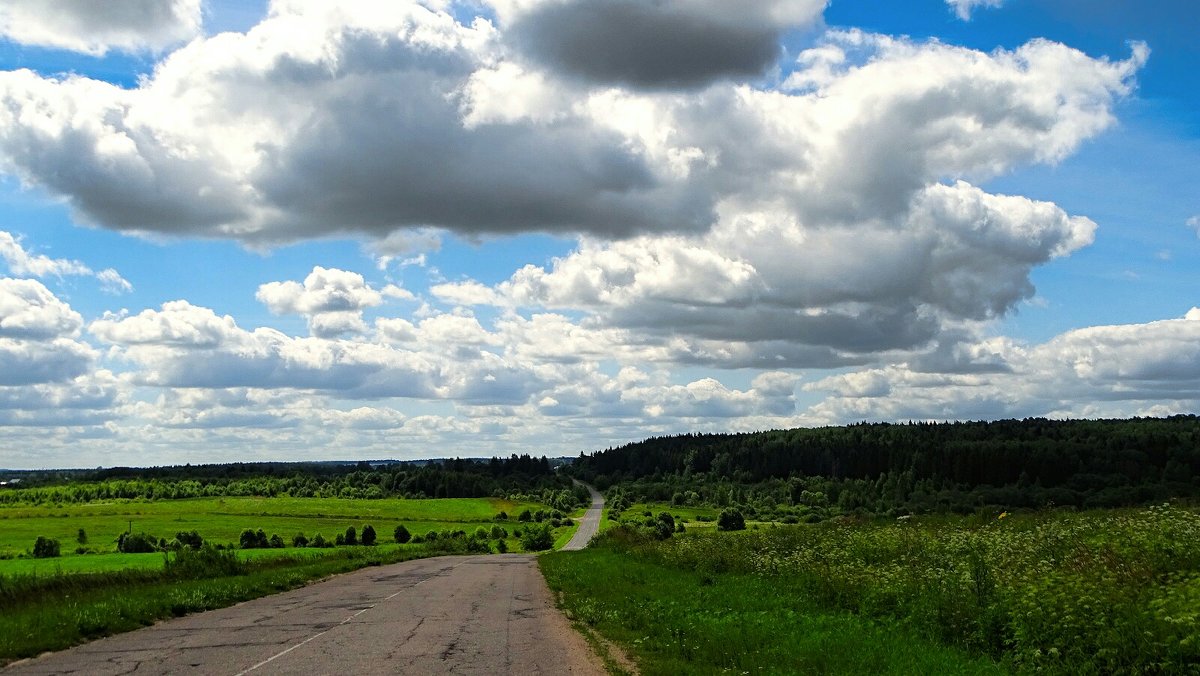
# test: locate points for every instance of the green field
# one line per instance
(221, 520)
(1053, 592)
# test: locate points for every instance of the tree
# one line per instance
(81, 537)
(276, 542)
(190, 539)
(368, 535)
(319, 542)
(537, 538)
(351, 536)
(401, 534)
(525, 516)
(731, 519)
(136, 543)
(247, 540)
(45, 548)
(299, 540)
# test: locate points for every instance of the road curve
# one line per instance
(590, 524)
(445, 615)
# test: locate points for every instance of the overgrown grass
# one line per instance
(679, 621)
(1087, 593)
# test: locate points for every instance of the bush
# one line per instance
(339, 540)
(81, 537)
(351, 536)
(481, 533)
(537, 538)
(253, 539)
(276, 542)
(501, 546)
(368, 535)
(401, 534)
(502, 516)
(319, 541)
(45, 548)
(498, 533)
(525, 516)
(731, 519)
(299, 540)
(136, 543)
(190, 539)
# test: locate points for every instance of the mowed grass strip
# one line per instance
(675, 621)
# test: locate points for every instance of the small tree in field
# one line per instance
(368, 535)
(81, 537)
(299, 540)
(537, 538)
(401, 534)
(45, 548)
(731, 519)
(351, 536)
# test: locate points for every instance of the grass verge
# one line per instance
(680, 621)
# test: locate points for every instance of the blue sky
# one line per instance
(236, 231)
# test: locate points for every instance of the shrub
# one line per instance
(351, 536)
(537, 538)
(431, 536)
(276, 542)
(253, 539)
(368, 535)
(45, 548)
(417, 539)
(731, 519)
(339, 540)
(401, 534)
(190, 539)
(476, 546)
(499, 533)
(501, 546)
(525, 516)
(299, 540)
(319, 541)
(136, 543)
(502, 516)
(81, 537)
(481, 533)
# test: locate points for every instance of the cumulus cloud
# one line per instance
(1097, 371)
(332, 300)
(37, 336)
(96, 27)
(963, 8)
(667, 44)
(21, 262)
(1194, 224)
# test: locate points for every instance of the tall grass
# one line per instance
(1100, 592)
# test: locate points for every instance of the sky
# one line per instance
(335, 229)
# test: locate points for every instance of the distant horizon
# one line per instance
(264, 230)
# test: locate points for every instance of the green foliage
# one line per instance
(498, 532)
(368, 535)
(351, 537)
(501, 546)
(319, 542)
(537, 538)
(136, 543)
(525, 516)
(731, 519)
(276, 542)
(203, 562)
(684, 621)
(299, 540)
(1055, 592)
(251, 539)
(45, 548)
(190, 539)
(81, 537)
(401, 534)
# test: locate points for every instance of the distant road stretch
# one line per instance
(590, 524)
(446, 615)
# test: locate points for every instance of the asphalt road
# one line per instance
(590, 523)
(446, 615)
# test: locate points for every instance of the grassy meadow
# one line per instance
(1056, 592)
(221, 520)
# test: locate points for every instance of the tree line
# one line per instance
(455, 478)
(914, 467)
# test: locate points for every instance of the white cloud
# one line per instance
(21, 262)
(963, 8)
(37, 332)
(332, 300)
(1194, 224)
(96, 27)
